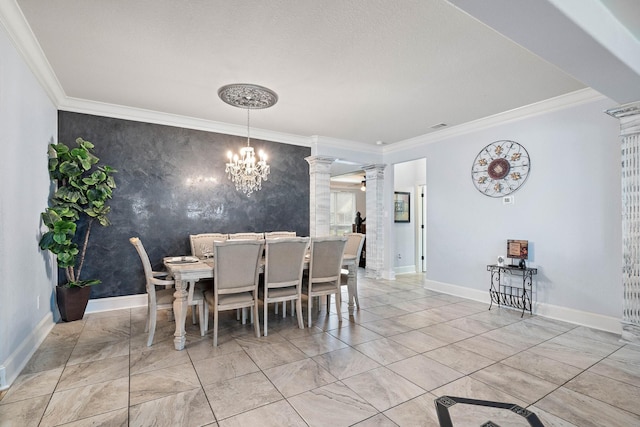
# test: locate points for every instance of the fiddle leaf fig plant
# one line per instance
(83, 188)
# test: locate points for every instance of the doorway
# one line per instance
(410, 236)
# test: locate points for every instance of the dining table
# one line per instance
(186, 271)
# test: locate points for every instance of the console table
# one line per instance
(517, 296)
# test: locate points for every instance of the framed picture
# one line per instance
(401, 207)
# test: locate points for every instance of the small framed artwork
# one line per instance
(401, 207)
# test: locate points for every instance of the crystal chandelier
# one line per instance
(243, 169)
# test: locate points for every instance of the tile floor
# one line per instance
(385, 366)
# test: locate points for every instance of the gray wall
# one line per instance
(569, 209)
(154, 201)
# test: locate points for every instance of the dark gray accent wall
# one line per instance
(154, 200)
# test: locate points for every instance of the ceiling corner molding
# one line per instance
(84, 106)
(26, 44)
(326, 141)
(561, 102)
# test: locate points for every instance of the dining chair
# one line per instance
(202, 247)
(284, 264)
(162, 299)
(246, 236)
(353, 249)
(235, 279)
(202, 244)
(279, 234)
(324, 271)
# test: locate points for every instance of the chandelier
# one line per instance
(243, 169)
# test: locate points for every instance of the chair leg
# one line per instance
(206, 316)
(215, 326)
(284, 309)
(276, 308)
(309, 306)
(338, 302)
(256, 319)
(193, 314)
(328, 303)
(299, 308)
(293, 307)
(266, 314)
(152, 327)
(201, 314)
(146, 326)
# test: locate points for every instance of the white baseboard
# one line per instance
(407, 269)
(11, 368)
(565, 314)
(116, 303)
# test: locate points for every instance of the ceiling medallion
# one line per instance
(500, 168)
(243, 169)
(249, 96)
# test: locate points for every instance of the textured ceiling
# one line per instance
(359, 70)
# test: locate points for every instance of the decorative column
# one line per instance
(319, 195)
(375, 220)
(629, 116)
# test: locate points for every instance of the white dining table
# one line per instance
(186, 274)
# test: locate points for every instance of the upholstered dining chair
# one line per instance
(162, 299)
(235, 279)
(202, 244)
(284, 264)
(246, 236)
(279, 234)
(353, 249)
(324, 271)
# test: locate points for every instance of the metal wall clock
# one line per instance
(500, 168)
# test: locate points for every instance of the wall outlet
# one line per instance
(399, 256)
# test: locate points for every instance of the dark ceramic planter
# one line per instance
(72, 302)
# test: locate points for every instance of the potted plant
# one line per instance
(81, 194)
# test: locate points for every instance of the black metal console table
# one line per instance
(518, 296)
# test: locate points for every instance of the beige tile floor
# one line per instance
(385, 366)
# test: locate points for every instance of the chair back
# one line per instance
(279, 234)
(326, 259)
(355, 242)
(246, 236)
(284, 261)
(146, 264)
(237, 265)
(202, 244)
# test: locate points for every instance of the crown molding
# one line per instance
(342, 144)
(149, 116)
(561, 102)
(25, 42)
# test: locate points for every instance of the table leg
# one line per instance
(180, 313)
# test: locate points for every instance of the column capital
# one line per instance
(629, 116)
(631, 109)
(375, 171)
(320, 164)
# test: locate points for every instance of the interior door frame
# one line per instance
(421, 228)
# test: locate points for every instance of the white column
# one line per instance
(319, 195)
(629, 116)
(375, 220)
